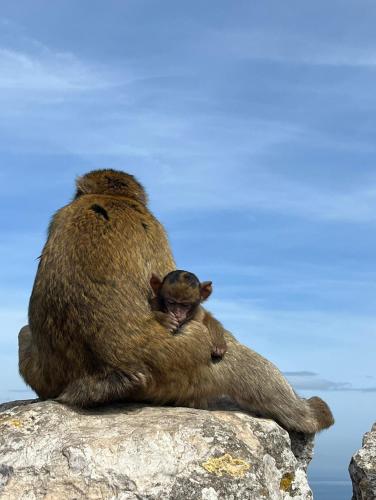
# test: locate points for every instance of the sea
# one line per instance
(331, 490)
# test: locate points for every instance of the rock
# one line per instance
(50, 451)
(362, 468)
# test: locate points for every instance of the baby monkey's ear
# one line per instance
(155, 283)
(206, 289)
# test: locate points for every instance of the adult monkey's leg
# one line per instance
(252, 381)
(101, 388)
(257, 385)
(85, 391)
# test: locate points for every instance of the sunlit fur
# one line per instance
(93, 337)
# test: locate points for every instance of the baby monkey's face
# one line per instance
(181, 300)
(180, 293)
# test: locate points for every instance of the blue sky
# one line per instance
(252, 128)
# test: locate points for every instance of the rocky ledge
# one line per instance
(143, 452)
(362, 468)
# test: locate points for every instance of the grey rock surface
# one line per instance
(126, 452)
(362, 468)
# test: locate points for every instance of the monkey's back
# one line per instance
(91, 287)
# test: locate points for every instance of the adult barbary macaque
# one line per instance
(177, 300)
(93, 337)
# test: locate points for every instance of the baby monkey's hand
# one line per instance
(168, 320)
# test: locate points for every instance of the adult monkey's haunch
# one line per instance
(93, 338)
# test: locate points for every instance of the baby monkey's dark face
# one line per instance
(180, 293)
(180, 300)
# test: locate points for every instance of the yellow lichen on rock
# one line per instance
(15, 422)
(235, 467)
(7, 420)
(286, 481)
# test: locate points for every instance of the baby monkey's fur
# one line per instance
(177, 301)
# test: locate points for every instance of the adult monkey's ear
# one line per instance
(206, 289)
(155, 283)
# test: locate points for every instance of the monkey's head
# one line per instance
(110, 182)
(180, 293)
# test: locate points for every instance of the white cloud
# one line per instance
(47, 71)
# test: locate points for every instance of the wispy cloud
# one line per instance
(321, 285)
(257, 188)
(302, 380)
(184, 144)
(310, 380)
(319, 326)
(304, 340)
(47, 72)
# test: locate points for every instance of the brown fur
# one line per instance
(94, 339)
(186, 293)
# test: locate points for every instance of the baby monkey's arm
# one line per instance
(216, 331)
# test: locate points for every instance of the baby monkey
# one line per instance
(177, 300)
